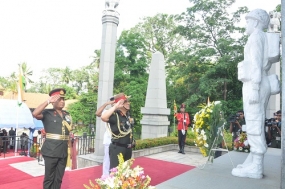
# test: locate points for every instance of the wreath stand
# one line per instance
(215, 148)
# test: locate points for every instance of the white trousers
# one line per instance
(106, 160)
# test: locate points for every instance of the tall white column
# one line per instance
(110, 21)
(283, 95)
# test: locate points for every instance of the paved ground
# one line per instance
(212, 176)
(190, 158)
(218, 174)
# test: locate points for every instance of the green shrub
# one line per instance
(149, 143)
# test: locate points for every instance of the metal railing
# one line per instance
(25, 146)
(17, 144)
(85, 144)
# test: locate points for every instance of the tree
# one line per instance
(10, 83)
(158, 33)
(84, 109)
(130, 75)
(215, 47)
(66, 75)
(27, 72)
(40, 87)
(52, 76)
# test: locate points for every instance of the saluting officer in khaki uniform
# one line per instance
(57, 124)
(121, 128)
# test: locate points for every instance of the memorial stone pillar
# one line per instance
(110, 21)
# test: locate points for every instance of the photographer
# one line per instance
(236, 122)
(274, 131)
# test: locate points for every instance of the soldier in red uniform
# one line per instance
(182, 127)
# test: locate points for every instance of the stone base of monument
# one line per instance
(89, 160)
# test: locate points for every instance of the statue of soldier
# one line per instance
(256, 92)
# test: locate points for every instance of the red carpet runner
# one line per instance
(158, 170)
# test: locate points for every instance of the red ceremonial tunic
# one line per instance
(180, 117)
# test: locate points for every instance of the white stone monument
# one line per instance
(155, 121)
(273, 36)
(274, 24)
(110, 21)
(257, 88)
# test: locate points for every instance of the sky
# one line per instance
(65, 33)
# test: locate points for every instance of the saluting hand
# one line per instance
(119, 104)
(54, 98)
(110, 102)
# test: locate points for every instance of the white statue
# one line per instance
(111, 4)
(252, 71)
(274, 24)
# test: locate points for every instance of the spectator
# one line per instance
(12, 134)
(5, 139)
(24, 143)
(274, 131)
(236, 123)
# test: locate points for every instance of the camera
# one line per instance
(233, 118)
(269, 122)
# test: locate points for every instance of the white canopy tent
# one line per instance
(12, 115)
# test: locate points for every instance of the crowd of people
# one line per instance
(272, 128)
(7, 140)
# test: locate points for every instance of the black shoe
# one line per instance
(179, 151)
(182, 150)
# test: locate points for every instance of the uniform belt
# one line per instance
(57, 136)
(122, 145)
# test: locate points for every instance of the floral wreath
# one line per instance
(206, 124)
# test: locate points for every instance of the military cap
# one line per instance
(121, 96)
(58, 91)
(182, 106)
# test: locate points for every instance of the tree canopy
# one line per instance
(202, 47)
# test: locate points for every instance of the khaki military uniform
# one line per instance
(120, 144)
(55, 147)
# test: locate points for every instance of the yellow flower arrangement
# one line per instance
(206, 123)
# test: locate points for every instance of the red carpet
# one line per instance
(158, 170)
(9, 153)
